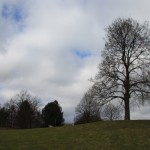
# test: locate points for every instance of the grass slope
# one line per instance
(116, 135)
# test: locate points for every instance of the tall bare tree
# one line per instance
(125, 70)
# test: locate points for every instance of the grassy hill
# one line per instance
(117, 135)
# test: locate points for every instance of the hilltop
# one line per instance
(115, 135)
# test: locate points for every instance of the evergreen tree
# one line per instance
(52, 114)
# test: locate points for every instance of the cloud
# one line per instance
(51, 48)
(140, 113)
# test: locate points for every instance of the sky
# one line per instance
(51, 48)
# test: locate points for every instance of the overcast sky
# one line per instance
(52, 47)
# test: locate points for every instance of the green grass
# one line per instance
(116, 135)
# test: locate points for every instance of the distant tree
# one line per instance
(27, 110)
(4, 117)
(111, 112)
(25, 115)
(124, 73)
(23, 111)
(52, 114)
(88, 110)
(12, 110)
(38, 121)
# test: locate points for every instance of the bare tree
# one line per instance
(111, 112)
(88, 110)
(124, 73)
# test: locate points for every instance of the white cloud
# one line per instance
(39, 48)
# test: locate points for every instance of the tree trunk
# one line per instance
(127, 94)
(127, 109)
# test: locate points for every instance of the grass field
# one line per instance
(116, 135)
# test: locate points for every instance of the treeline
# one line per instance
(23, 111)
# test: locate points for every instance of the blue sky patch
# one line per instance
(82, 53)
(5, 11)
(17, 14)
(12, 11)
